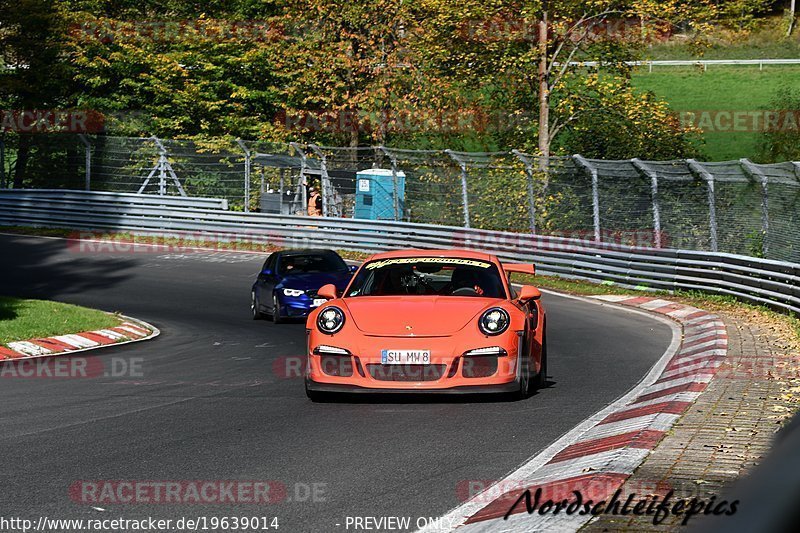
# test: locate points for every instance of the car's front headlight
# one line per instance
(330, 320)
(293, 292)
(494, 321)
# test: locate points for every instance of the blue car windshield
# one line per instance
(428, 276)
(293, 264)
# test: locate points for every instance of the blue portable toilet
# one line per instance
(375, 194)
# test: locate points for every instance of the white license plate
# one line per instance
(318, 301)
(405, 357)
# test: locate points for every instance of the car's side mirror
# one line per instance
(266, 272)
(352, 268)
(327, 291)
(528, 293)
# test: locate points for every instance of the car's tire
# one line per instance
(255, 306)
(541, 378)
(276, 310)
(524, 390)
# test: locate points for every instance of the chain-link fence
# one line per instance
(733, 206)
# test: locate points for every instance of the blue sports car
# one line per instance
(288, 282)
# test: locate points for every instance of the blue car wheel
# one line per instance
(255, 306)
(276, 310)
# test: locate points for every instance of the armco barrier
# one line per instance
(772, 283)
(117, 198)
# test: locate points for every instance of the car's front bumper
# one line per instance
(503, 388)
(296, 306)
(450, 368)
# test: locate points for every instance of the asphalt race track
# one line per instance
(211, 402)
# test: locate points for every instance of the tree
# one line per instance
(781, 141)
(36, 74)
(348, 69)
(621, 123)
(528, 54)
(196, 77)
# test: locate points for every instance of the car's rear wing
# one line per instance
(521, 268)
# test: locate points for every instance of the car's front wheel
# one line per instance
(541, 377)
(276, 310)
(255, 306)
(524, 390)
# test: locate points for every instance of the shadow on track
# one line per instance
(37, 269)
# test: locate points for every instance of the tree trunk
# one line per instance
(544, 97)
(792, 14)
(23, 153)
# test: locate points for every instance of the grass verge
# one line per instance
(27, 319)
(721, 88)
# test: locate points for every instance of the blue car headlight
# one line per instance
(293, 292)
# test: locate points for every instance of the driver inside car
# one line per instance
(395, 282)
(466, 278)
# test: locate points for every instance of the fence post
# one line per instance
(281, 184)
(755, 174)
(323, 177)
(304, 196)
(395, 185)
(246, 151)
(650, 173)
(88, 149)
(162, 167)
(592, 170)
(531, 196)
(698, 170)
(464, 193)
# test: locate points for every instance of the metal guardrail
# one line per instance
(775, 284)
(116, 198)
(697, 62)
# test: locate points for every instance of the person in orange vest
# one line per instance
(314, 203)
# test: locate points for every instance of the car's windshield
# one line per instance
(427, 276)
(292, 264)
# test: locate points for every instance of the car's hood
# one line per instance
(315, 280)
(417, 316)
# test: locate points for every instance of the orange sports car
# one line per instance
(432, 321)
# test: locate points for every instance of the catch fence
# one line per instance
(734, 207)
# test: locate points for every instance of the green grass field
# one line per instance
(27, 319)
(720, 88)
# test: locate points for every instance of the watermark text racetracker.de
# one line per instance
(51, 121)
(195, 492)
(73, 367)
(737, 121)
(96, 242)
(563, 240)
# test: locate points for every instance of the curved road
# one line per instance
(212, 401)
